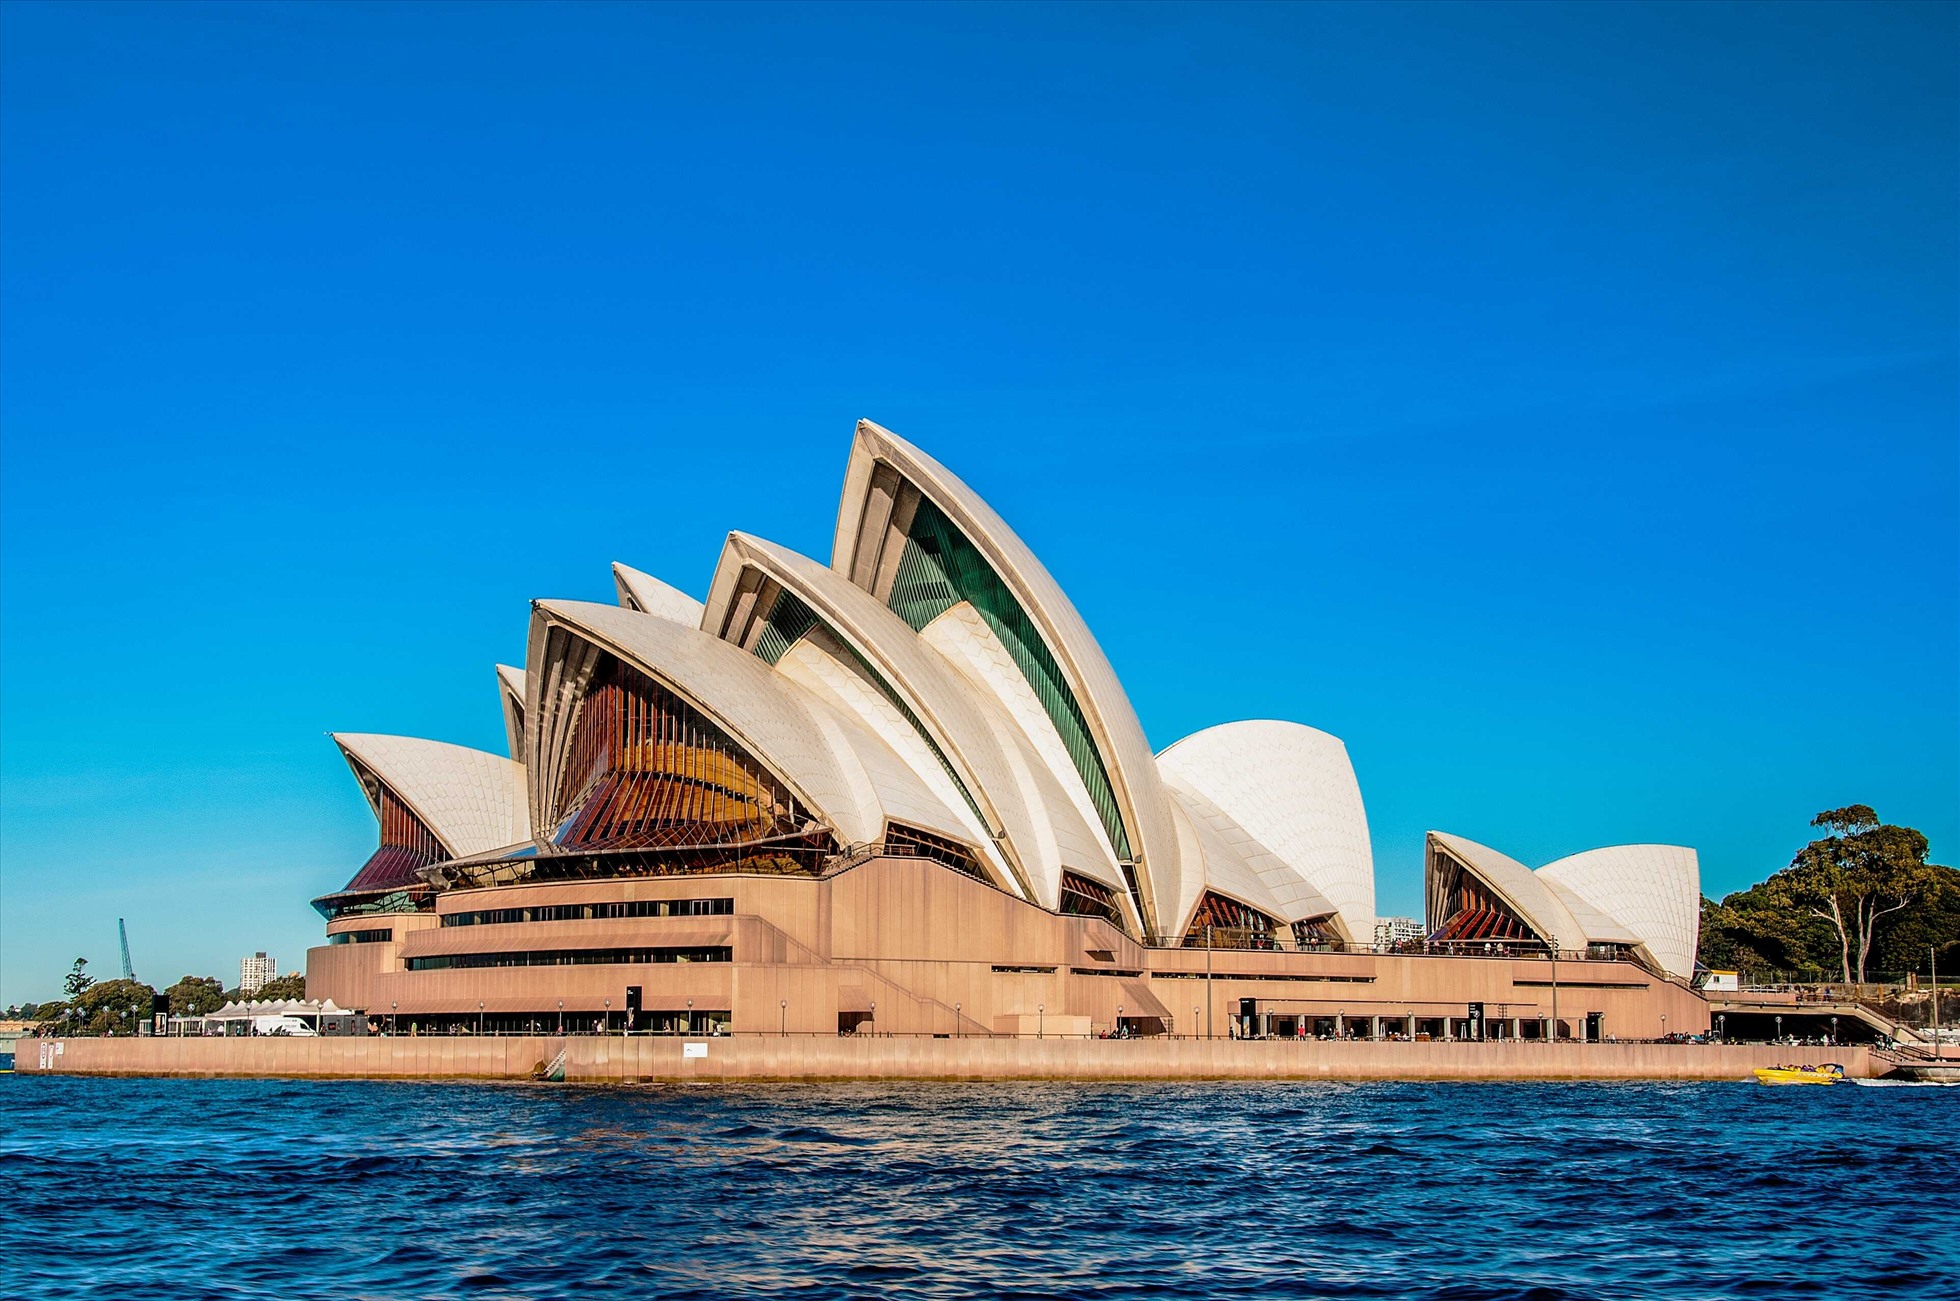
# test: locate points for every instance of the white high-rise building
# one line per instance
(1397, 930)
(254, 971)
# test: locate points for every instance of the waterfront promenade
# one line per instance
(594, 1059)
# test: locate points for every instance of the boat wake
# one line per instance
(1907, 1084)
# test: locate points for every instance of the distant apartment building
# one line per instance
(1397, 930)
(255, 971)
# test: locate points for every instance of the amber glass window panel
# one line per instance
(647, 770)
(1224, 923)
(902, 841)
(1472, 910)
(1313, 933)
(1081, 897)
(407, 846)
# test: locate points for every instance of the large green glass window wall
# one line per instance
(790, 619)
(940, 568)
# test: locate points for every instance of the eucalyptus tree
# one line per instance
(1856, 877)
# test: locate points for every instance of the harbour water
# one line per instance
(1457, 1192)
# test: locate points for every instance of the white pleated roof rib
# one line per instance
(906, 784)
(1598, 927)
(1294, 897)
(1042, 808)
(773, 719)
(472, 800)
(1519, 887)
(654, 597)
(1654, 891)
(1014, 790)
(1293, 791)
(1225, 870)
(961, 640)
(511, 691)
(1113, 724)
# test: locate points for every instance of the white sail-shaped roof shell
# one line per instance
(906, 784)
(1023, 814)
(472, 800)
(1045, 774)
(842, 773)
(991, 718)
(1233, 862)
(1292, 791)
(1518, 886)
(1118, 737)
(648, 595)
(1653, 891)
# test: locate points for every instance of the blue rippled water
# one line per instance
(271, 1189)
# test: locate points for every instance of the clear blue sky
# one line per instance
(1556, 403)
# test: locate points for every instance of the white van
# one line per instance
(288, 1025)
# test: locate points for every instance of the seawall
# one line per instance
(607, 1060)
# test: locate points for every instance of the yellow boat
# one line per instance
(1828, 1073)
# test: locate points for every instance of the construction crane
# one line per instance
(122, 933)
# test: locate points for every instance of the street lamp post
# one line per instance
(690, 1017)
(1040, 1020)
(874, 1016)
(561, 1018)
(1119, 1019)
(608, 1016)
(782, 1005)
(1779, 1028)
(1209, 998)
(1933, 961)
(1722, 1028)
(393, 1009)
(479, 1018)
(959, 1026)
(1194, 1023)
(1554, 940)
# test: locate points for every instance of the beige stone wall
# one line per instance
(940, 953)
(593, 1059)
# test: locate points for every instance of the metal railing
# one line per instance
(1250, 941)
(1103, 1036)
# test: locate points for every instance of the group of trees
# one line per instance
(290, 985)
(101, 1007)
(1859, 902)
(91, 1006)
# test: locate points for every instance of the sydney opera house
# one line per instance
(904, 793)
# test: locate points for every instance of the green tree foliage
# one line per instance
(1933, 924)
(1859, 875)
(114, 1006)
(54, 1010)
(196, 996)
(282, 987)
(1862, 899)
(78, 980)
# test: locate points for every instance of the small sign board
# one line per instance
(694, 1050)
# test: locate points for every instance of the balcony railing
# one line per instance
(1236, 940)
